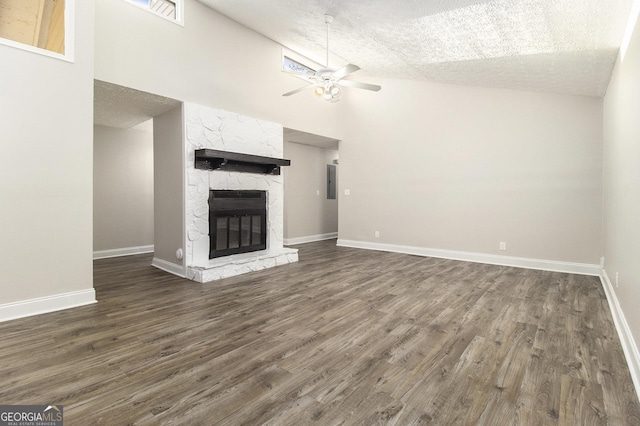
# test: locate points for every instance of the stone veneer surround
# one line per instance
(226, 131)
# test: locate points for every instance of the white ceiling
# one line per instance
(559, 46)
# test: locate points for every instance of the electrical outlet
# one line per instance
(616, 280)
(347, 192)
(503, 245)
(377, 234)
(317, 192)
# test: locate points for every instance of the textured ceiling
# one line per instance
(559, 46)
(118, 106)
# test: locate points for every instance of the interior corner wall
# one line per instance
(622, 187)
(308, 212)
(464, 168)
(211, 61)
(46, 123)
(122, 187)
(168, 189)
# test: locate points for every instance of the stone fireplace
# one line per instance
(223, 131)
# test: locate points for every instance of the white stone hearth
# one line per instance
(229, 266)
(208, 128)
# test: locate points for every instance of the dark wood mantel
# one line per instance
(211, 159)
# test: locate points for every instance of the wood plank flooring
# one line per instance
(344, 336)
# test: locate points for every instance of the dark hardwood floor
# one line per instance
(344, 336)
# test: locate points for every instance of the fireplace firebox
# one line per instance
(237, 222)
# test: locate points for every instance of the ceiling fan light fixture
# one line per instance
(330, 93)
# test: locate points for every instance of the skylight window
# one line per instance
(296, 63)
(289, 64)
(169, 9)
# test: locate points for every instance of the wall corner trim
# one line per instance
(310, 239)
(125, 251)
(517, 262)
(629, 345)
(43, 305)
(169, 267)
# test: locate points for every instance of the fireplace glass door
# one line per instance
(233, 232)
(237, 222)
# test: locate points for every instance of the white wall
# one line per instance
(622, 189)
(122, 187)
(46, 172)
(307, 214)
(168, 181)
(211, 61)
(464, 168)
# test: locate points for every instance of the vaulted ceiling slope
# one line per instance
(558, 46)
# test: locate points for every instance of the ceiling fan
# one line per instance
(327, 81)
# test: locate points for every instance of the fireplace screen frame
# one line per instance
(239, 207)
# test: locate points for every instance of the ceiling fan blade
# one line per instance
(293, 92)
(359, 85)
(344, 71)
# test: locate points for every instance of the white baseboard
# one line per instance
(518, 262)
(169, 267)
(126, 251)
(310, 239)
(624, 332)
(43, 305)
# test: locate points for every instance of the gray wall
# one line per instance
(168, 177)
(122, 187)
(46, 123)
(622, 186)
(307, 214)
(464, 168)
